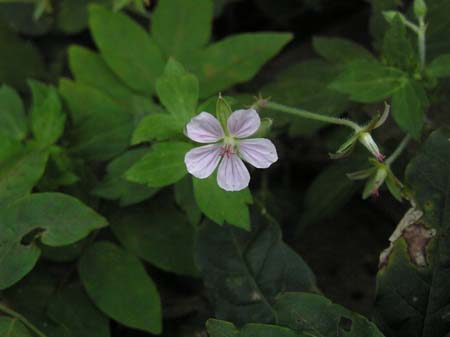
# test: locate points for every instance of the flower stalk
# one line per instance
(398, 151)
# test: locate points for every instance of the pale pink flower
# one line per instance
(228, 147)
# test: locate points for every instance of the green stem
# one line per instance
(25, 322)
(398, 151)
(421, 37)
(310, 115)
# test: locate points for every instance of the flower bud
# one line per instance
(420, 8)
(374, 183)
(223, 111)
(366, 139)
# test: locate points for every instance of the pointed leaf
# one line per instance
(13, 123)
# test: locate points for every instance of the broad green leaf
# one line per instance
(55, 309)
(13, 122)
(163, 165)
(311, 81)
(182, 26)
(158, 234)
(114, 186)
(21, 167)
(47, 117)
(408, 108)
(340, 51)
(438, 28)
(12, 327)
(221, 206)
(234, 60)
(157, 127)
(315, 315)
(368, 82)
(19, 60)
(101, 127)
(217, 328)
(53, 218)
(330, 191)
(398, 50)
(412, 293)
(184, 197)
(440, 66)
(178, 91)
(244, 271)
(126, 47)
(119, 286)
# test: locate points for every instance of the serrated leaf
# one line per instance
(56, 219)
(221, 206)
(101, 127)
(408, 108)
(136, 59)
(412, 297)
(47, 117)
(163, 165)
(158, 234)
(182, 26)
(114, 186)
(440, 66)
(340, 51)
(157, 126)
(368, 82)
(234, 60)
(118, 284)
(317, 316)
(13, 123)
(252, 269)
(178, 91)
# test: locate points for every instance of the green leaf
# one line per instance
(315, 315)
(398, 50)
(157, 127)
(158, 234)
(217, 328)
(234, 60)
(440, 66)
(119, 286)
(163, 165)
(12, 327)
(20, 60)
(438, 28)
(115, 187)
(135, 59)
(222, 206)
(369, 82)
(56, 219)
(412, 296)
(182, 26)
(13, 122)
(47, 117)
(184, 197)
(408, 108)
(311, 81)
(178, 91)
(245, 271)
(340, 51)
(21, 167)
(378, 23)
(101, 127)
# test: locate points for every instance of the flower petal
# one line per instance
(232, 174)
(204, 128)
(202, 161)
(243, 123)
(260, 152)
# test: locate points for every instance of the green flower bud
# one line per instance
(420, 8)
(223, 111)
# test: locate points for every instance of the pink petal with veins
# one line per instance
(232, 174)
(259, 152)
(204, 128)
(202, 161)
(243, 123)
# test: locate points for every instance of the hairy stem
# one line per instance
(311, 115)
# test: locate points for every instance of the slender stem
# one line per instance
(411, 26)
(421, 37)
(311, 115)
(18, 316)
(398, 151)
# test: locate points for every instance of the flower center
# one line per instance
(228, 147)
